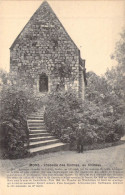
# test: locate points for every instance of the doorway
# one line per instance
(43, 83)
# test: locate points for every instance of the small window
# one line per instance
(54, 44)
(43, 83)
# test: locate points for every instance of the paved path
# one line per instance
(123, 138)
(112, 157)
(108, 157)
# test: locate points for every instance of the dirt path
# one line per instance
(108, 157)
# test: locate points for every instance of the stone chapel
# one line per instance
(42, 48)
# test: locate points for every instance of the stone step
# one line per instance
(40, 137)
(36, 125)
(37, 131)
(37, 137)
(37, 115)
(40, 141)
(43, 143)
(36, 134)
(35, 118)
(35, 121)
(40, 114)
(49, 148)
(37, 128)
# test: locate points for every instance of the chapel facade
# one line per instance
(45, 53)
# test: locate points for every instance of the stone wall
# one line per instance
(82, 79)
(43, 45)
(81, 85)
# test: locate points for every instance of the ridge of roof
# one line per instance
(47, 4)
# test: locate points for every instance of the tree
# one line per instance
(108, 91)
(3, 77)
(63, 70)
(116, 76)
(98, 90)
(17, 100)
(119, 53)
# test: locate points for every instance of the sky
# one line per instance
(94, 26)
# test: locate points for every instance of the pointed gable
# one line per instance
(44, 47)
(45, 21)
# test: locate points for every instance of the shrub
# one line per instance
(15, 136)
(61, 114)
(65, 114)
(99, 123)
(17, 101)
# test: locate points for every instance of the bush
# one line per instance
(14, 137)
(102, 92)
(65, 114)
(61, 114)
(17, 101)
(99, 124)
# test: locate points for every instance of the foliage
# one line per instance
(98, 124)
(61, 114)
(97, 90)
(17, 101)
(63, 70)
(100, 92)
(119, 53)
(3, 77)
(116, 76)
(66, 115)
(109, 89)
(14, 134)
(100, 117)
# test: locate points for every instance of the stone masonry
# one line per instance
(42, 45)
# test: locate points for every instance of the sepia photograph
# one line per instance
(62, 97)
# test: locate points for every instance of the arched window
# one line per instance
(43, 83)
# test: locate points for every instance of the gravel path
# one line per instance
(112, 157)
(108, 157)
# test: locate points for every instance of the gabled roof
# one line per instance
(45, 3)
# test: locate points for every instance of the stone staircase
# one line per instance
(40, 141)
